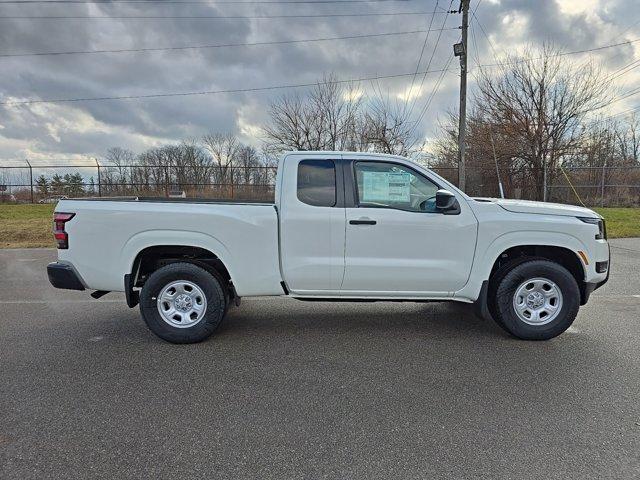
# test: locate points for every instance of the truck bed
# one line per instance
(107, 234)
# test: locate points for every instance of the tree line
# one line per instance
(216, 161)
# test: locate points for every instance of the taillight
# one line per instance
(59, 219)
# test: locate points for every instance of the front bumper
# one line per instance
(64, 276)
(589, 287)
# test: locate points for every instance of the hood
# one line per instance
(527, 206)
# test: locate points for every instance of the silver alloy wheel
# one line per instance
(182, 304)
(537, 301)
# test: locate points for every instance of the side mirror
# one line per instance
(446, 202)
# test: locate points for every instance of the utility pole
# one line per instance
(460, 50)
(30, 178)
(99, 179)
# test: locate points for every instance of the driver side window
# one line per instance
(394, 186)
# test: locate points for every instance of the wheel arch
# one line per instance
(148, 257)
(151, 258)
(159, 239)
(546, 244)
(561, 255)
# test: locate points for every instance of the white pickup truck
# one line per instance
(344, 226)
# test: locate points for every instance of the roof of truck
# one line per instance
(345, 153)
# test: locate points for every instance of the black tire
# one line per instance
(503, 299)
(208, 283)
(496, 278)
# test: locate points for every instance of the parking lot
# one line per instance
(290, 389)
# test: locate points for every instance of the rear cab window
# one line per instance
(317, 182)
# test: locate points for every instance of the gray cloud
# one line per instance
(90, 128)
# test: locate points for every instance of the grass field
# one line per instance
(28, 226)
(621, 222)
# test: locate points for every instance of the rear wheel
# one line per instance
(536, 300)
(183, 303)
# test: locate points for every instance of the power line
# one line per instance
(221, 45)
(424, 44)
(614, 75)
(435, 47)
(588, 50)
(206, 17)
(432, 95)
(560, 54)
(624, 96)
(475, 43)
(194, 2)
(615, 115)
(626, 30)
(491, 46)
(624, 69)
(208, 92)
(476, 50)
(278, 42)
(619, 72)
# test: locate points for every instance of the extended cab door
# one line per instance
(397, 243)
(312, 224)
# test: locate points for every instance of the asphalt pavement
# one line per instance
(306, 390)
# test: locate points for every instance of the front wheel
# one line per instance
(537, 300)
(183, 303)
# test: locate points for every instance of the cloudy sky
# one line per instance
(71, 131)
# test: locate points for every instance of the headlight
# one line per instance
(602, 231)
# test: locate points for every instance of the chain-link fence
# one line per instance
(49, 183)
(592, 186)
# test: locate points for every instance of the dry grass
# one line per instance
(26, 226)
(29, 226)
(621, 222)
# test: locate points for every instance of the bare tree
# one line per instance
(387, 127)
(539, 102)
(335, 116)
(154, 169)
(531, 115)
(224, 149)
(324, 120)
(628, 140)
(119, 162)
(249, 165)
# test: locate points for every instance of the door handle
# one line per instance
(362, 221)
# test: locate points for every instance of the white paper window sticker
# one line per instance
(386, 187)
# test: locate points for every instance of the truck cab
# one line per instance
(366, 225)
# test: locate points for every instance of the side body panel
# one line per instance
(408, 253)
(500, 230)
(106, 236)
